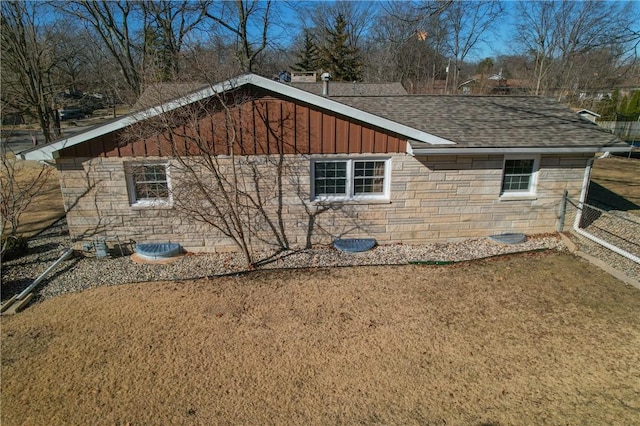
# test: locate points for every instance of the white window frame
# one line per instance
(350, 180)
(533, 181)
(147, 202)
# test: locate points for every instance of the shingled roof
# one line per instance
(159, 93)
(489, 121)
(433, 124)
(339, 88)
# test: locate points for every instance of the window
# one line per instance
(519, 176)
(350, 179)
(148, 183)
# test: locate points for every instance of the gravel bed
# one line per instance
(85, 271)
(613, 259)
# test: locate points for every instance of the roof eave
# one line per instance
(523, 150)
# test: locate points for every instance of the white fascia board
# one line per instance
(586, 111)
(48, 152)
(473, 151)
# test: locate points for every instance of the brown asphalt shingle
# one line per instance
(157, 94)
(469, 121)
(488, 121)
(339, 88)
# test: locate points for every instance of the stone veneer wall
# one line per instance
(435, 198)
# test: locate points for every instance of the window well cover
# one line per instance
(158, 250)
(354, 245)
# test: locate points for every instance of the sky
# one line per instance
(288, 24)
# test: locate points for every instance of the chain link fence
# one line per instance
(611, 235)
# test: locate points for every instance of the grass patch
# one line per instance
(46, 207)
(540, 338)
(615, 183)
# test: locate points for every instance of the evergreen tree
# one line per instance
(338, 57)
(632, 107)
(608, 107)
(308, 57)
(622, 108)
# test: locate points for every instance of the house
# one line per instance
(304, 76)
(403, 168)
(588, 115)
(494, 84)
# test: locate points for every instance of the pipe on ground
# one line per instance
(65, 254)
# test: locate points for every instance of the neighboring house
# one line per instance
(588, 115)
(304, 76)
(406, 169)
(494, 84)
(595, 95)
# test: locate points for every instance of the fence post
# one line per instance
(563, 210)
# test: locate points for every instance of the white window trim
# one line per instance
(147, 202)
(350, 196)
(533, 183)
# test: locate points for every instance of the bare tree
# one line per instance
(114, 24)
(169, 25)
(467, 22)
(28, 64)
(73, 68)
(19, 184)
(237, 172)
(142, 40)
(406, 44)
(217, 181)
(237, 19)
(561, 35)
(359, 19)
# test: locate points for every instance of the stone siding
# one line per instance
(434, 198)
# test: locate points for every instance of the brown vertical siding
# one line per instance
(302, 135)
(368, 138)
(262, 125)
(342, 136)
(121, 149)
(354, 136)
(328, 134)
(151, 146)
(288, 129)
(259, 120)
(315, 131)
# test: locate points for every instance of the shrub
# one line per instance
(13, 247)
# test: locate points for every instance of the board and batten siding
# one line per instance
(257, 126)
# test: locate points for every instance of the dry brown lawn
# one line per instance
(527, 339)
(47, 206)
(617, 183)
